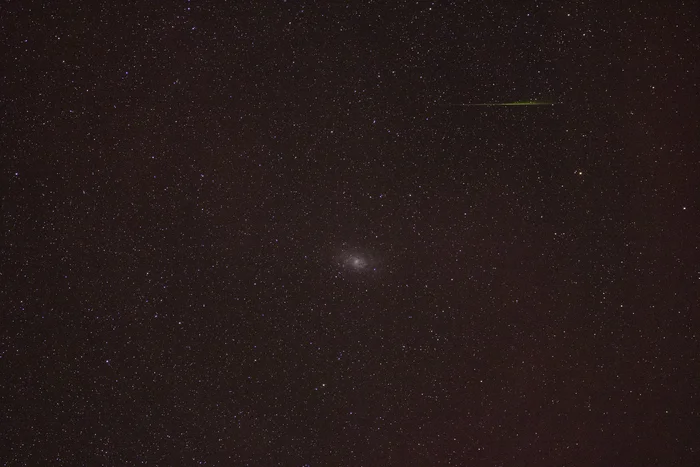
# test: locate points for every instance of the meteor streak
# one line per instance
(504, 104)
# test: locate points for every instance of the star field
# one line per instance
(291, 234)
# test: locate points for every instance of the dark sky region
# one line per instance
(273, 233)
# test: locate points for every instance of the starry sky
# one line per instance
(280, 233)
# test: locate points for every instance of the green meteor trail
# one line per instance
(504, 104)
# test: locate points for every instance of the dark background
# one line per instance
(179, 181)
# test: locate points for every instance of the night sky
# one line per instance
(280, 233)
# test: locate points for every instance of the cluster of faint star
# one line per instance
(356, 262)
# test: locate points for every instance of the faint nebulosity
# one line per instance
(349, 233)
(357, 260)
